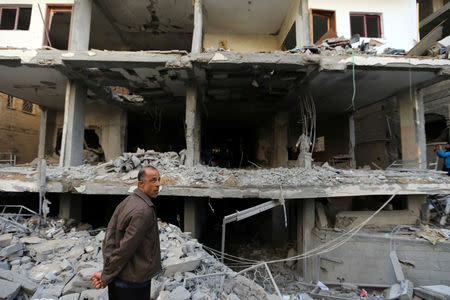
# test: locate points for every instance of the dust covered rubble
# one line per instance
(125, 168)
(170, 164)
(56, 262)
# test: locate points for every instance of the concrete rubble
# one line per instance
(43, 266)
(124, 169)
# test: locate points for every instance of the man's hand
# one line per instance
(97, 282)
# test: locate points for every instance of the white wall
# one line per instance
(398, 18)
(34, 37)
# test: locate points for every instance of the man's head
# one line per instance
(447, 147)
(149, 181)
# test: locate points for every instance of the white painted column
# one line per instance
(76, 91)
(193, 126)
(197, 35)
(73, 128)
(352, 140)
(310, 265)
(302, 24)
(412, 126)
(280, 143)
(81, 25)
(42, 132)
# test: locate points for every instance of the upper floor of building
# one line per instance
(236, 25)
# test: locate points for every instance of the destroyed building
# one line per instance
(215, 95)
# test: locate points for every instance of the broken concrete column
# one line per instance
(112, 133)
(194, 212)
(73, 128)
(352, 140)
(280, 137)
(80, 28)
(42, 132)
(302, 24)
(412, 126)
(197, 35)
(70, 206)
(192, 126)
(310, 265)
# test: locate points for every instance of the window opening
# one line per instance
(58, 27)
(323, 25)
(366, 25)
(27, 107)
(15, 18)
(10, 102)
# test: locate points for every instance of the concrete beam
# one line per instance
(412, 127)
(80, 28)
(197, 35)
(192, 126)
(73, 128)
(302, 24)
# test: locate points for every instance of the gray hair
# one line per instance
(141, 174)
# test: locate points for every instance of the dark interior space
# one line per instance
(91, 142)
(160, 129)
(291, 40)
(15, 18)
(436, 128)
(59, 29)
(29, 200)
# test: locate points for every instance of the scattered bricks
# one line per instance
(8, 289)
(200, 296)
(25, 259)
(180, 293)
(74, 296)
(100, 236)
(94, 294)
(28, 285)
(38, 272)
(31, 240)
(5, 240)
(10, 250)
(4, 265)
(43, 251)
(174, 264)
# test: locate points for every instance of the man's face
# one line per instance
(150, 184)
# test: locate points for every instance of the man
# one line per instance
(446, 156)
(131, 252)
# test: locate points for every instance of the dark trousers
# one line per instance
(122, 290)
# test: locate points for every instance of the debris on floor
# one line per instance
(56, 261)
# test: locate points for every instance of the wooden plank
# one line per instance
(428, 41)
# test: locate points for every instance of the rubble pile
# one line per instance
(125, 168)
(56, 262)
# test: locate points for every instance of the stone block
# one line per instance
(433, 292)
(28, 286)
(80, 281)
(5, 240)
(8, 289)
(100, 236)
(199, 295)
(94, 294)
(180, 293)
(43, 251)
(38, 272)
(402, 291)
(4, 265)
(31, 240)
(74, 296)
(25, 259)
(174, 264)
(10, 250)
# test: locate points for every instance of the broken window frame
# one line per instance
(365, 16)
(16, 20)
(52, 8)
(27, 107)
(10, 102)
(330, 15)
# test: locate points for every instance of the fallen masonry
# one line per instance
(59, 267)
(118, 177)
